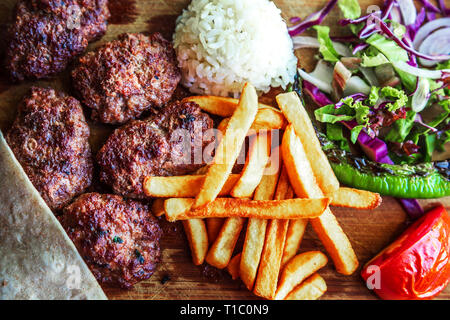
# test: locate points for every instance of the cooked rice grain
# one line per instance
(221, 44)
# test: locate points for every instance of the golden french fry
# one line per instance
(298, 269)
(304, 184)
(296, 114)
(219, 254)
(310, 289)
(158, 207)
(294, 236)
(266, 280)
(202, 171)
(233, 266)
(258, 156)
(213, 226)
(198, 239)
(354, 198)
(269, 119)
(266, 119)
(229, 147)
(180, 208)
(182, 186)
(269, 268)
(223, 106)
(222, 127)
(256, 232)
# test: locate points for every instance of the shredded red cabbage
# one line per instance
(359, 47)
(385, 29)
(444, 10)
(315, 94)
(429, 6)
(309, 22)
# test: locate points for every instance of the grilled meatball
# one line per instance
(50, 140)
(126, 77)
(47, 34)
(117, 238)
(166, 144)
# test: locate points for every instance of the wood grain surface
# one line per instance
(177, 277)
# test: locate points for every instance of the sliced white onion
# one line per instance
(418, 72)
(421, 95)
(370, 76)
(408, 10)
(428, 28)
(396, 15)
(342, 49)
(323, 71)
(312, 42)
(436, 43)
(305, 42)
(322, 85)
(356, 85)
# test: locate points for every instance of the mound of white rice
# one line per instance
(221, 44)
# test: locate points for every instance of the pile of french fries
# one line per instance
(276, 205)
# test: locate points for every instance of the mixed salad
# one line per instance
(383, 90)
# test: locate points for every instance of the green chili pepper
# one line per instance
(427, 180)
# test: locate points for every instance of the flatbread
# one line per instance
(37, 258)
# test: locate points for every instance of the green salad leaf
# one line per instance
(326, 45)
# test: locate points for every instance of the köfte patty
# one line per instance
(49, 138)
(171, 142)
(117, 238)
(125, 77)
(46, 34)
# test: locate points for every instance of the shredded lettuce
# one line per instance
(335, 132)
(350, 8)
(373, 61)
(399, 98)
(349, 109)
(326, 45)
(394, 54)
(401, 128)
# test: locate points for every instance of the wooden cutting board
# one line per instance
(177, 277)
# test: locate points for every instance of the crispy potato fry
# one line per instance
(269, 268)
(258, 156)
(266, 119)
(298, 269)
(222, 106)
(256, 232)
(180, 208)
(269, 119)
(296, 114)
(219, 254)
(354, 198)
(304, 184)
(310, 289)
(202, 171)
(233, 266)
(182, 186)
(158, 207)
(222, 127)
(198, 239)
(213, 226)
(229, 147)
(294, 236)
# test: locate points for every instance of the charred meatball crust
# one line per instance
(46, 34)
(49, 138)
(155, 147)
(125, 77)
(117, 238)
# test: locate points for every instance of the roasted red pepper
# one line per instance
(417, 264)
